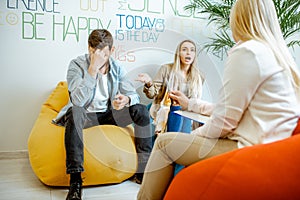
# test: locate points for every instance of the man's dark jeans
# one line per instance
(77, 119)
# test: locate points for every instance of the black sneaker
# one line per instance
(74, 191)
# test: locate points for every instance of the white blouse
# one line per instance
(257, 103)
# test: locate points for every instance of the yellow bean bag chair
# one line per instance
(109, 151)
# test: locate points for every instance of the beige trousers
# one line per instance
(181, 148)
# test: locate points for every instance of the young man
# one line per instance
(100, 94)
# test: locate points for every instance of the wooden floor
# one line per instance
(17, 181)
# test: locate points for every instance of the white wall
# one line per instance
(38, 41)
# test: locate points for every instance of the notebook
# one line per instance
(192, 115)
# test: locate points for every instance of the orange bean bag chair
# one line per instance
(266, 171)
(109, 151)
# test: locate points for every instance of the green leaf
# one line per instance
(217, 13)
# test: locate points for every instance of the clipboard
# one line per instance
(193, 116)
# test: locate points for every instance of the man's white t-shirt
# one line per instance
(99, 103)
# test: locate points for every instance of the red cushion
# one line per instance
(268, 171)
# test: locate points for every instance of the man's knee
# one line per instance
(76, 109)
(75, 112)
(139, 114)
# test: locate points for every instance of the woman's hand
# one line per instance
(180, 98)
(144, 78)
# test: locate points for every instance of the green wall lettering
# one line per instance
(30, 25)
(73, 26)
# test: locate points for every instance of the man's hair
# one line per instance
(100, 38)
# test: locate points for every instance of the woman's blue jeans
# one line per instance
(178, 123)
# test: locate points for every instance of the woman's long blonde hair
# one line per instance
(257, 19)
(194, 76)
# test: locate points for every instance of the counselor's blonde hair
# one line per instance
(257, 19)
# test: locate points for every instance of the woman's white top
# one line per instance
(257, 103)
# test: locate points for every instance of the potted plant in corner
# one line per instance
(218, 12)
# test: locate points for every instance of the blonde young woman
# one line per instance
(259, 102)
(181, 75)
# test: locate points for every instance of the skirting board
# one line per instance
(13, 154)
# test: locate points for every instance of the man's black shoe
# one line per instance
(74, 191)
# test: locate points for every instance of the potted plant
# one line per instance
(218, 12)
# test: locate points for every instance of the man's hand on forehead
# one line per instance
(100, 47)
